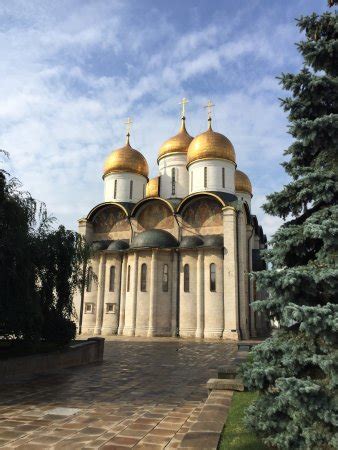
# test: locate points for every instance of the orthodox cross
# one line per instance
(128, 123)
(183, 103)
(209, 106)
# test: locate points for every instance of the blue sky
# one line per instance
(72, 71)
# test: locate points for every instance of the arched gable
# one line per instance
(153, 213)
(110, 221)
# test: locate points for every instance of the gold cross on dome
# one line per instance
(128, 123)
(183, 103)
(209, 106)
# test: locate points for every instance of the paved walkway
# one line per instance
(146, 394)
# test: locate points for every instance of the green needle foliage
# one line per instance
(296, 369)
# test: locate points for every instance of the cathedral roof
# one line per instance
(126, 159)
(242, 182)
(210, 145)
(154, 239)
(176, 144)
(118, 246)
(191, 242)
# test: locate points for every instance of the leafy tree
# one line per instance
(296, 369)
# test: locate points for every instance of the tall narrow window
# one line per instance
(131, 189)
(192, 181)
(128, 279)
(223, 177)
(205, 177)
(173, 181)
(112, 279)
(144, 277)
(213, 277)
(165, 278)
(186, 278)
(89, 279)
(144, 191)
(115, 188)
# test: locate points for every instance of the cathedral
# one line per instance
(171, 255)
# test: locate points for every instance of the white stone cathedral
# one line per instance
(171, 254)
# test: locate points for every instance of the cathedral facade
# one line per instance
(171, 254)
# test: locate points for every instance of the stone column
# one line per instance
(173, 284)
(134, 297)
(200, 294)
(100, 294)
(122, 305)
(153, 294)
(230, 291)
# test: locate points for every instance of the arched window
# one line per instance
(192, 181)
(115, 188)
(213, 277)
(223, 177)
(128, 279)
(205, 177)
(112, 279)
(186, 278)
(131, 189)
(144, 277)
(173, 181)
(89, 279)
(165, 278)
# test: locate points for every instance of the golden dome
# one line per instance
(211, 145)
(176, 144)
(152, 187)
(126, 159)
(242, 182)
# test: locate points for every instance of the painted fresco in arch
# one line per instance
(203, 213)
(110, 219)
(155, 215)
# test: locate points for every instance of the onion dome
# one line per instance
(152, 187)
(176, 144)
(210, 145)
(242, 182)
(126, 159)
(154, 239)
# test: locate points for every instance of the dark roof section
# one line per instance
(223, 198)
(257, 261)
(154, 239)
(118, 246)
(191, 242)
(99, 245)
(215, 240)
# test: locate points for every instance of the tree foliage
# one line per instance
(296, 369)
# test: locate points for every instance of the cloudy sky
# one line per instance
(72, 71)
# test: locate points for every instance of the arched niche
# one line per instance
(202, 215)
(153, 213)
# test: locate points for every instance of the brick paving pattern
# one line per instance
(145, 395)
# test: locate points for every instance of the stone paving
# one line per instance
(146, 394)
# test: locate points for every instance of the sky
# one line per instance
(72, 71)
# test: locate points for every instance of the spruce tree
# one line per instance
(296, 369)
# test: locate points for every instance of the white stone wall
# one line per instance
(143, 298)
(214, 176)
(188, 313)
(89, 318)
(111, 318)
(130, 301)
(123, 187)
(245, 197)
(213, 301)
(163, 299)
(166, 164)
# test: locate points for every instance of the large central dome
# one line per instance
(210, 145)
(176, 144)
(126, 159)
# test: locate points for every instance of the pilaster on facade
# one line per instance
(153, 294)
(200, 294)
(174, 278)
(100, 294)
(122, 305)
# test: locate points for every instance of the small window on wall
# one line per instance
(205, 177)
(192, 181)
(165, 278)
(112, 279)
(89, 308)
(173, 181)
(223, 177)
(111, 308)
(128, 279)
(186, 278)
(144, 277)
(89, 279)
(115, 188)
(131, 189)
(213, 277)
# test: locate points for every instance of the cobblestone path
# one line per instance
(146, 394)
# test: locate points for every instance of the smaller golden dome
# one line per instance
(176, 144)
(153, 187)
(242, 182)
(211, 145)
(126, 159)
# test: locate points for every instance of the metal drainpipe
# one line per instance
(249, 284)
(238, 282)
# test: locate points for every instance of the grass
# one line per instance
(235, 435)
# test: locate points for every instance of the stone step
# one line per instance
(227, 372)
(225, 384)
